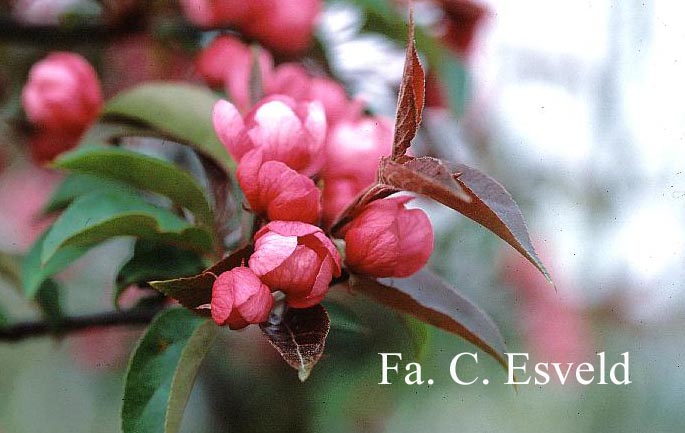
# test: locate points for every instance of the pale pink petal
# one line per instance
(248, 178)
(292, 228)
(319, 289)
(222, 297)
(415, 232)
(279, 132)
(315, 123)
(230, 128)
(297, 274)
(287, 194)
(257, 307)
(271, 250)
(331, 251)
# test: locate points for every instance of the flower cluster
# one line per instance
(283, 145)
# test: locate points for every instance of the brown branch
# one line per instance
(70, 324)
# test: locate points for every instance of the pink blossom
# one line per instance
(388, 240)
(24, 191)
(239, 298)
(338, 193)
(353, 150)
(293, 80)
(297, 259)
(285, 131)
(228, 62)
(275, 190)
(553, 325)
(62, 93)
(283, 25)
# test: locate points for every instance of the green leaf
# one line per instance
(432, 300)
(154, 261)
(76, 185)
(299, 335)
(96, 217)
(181, 111)
(196, 291)
(10, 269)
(3, 318)
(141, 171)
(107, 133)
(162, 371)
(48, 300)
(34, 272)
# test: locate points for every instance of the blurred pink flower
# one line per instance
(103, 348)
(388, 240)
(553, 327)
(239, 298)
(297, 259)
(293, 80)
(353, 150)
(23, 193)
(285, 131)
(282, 25)
(277, 191)
(62, 93)
(226, 61)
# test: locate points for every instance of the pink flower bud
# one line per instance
(240, 298)
(284, 25)
(297, 259)
(62, 92)
(353, 150)
(228, 62)
(285, 131)
(388, 240)
(277, 191)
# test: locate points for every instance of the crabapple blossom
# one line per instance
(285, 131)
(353, 150)
(277, 191)
(388, 240)
(292, 79)
(297, 259)
(239, 298)
(62, 93)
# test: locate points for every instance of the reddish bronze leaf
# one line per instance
(196, 291)
(430, 299)
(425, 175)
(411, 97)
(372, 193)
(299, 335)
(493, 207)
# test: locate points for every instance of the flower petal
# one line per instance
(271, 250)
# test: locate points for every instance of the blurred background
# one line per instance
(576, 107)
